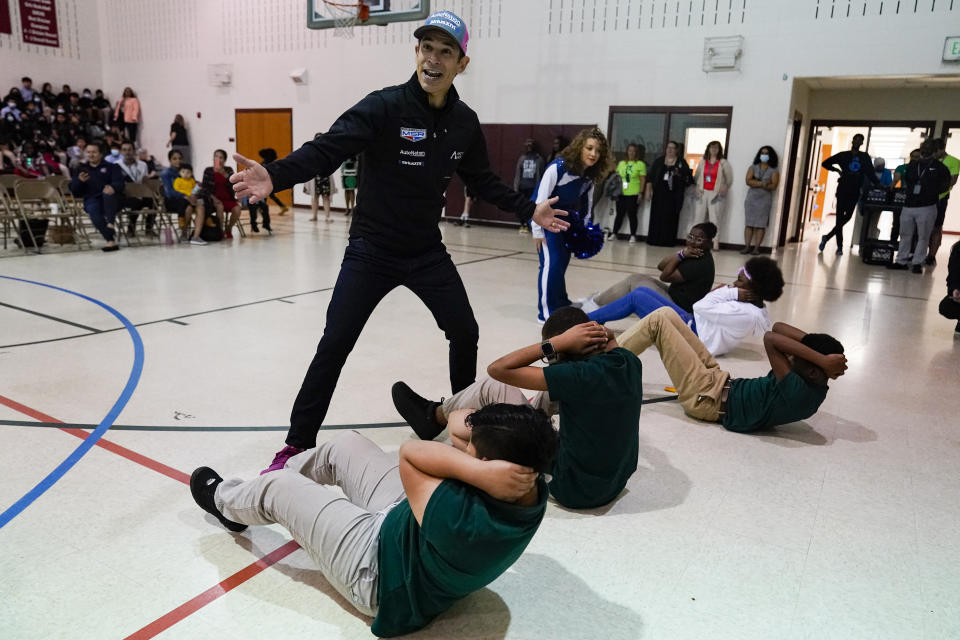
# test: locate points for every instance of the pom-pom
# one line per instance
(584, 239)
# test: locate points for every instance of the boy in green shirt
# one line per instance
(415, 533)
(794, 389)
(594, 385)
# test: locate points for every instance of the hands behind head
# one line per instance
(507, 481)
(745, 294)
(834, 365)
(583, 339)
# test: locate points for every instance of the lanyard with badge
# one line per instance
(916, 187)
(626, 178)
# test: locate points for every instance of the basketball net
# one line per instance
(346, 15)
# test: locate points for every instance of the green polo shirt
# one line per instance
(953, 165)
(600, 400)
(760, 403)
(467, 540)
(630, 173)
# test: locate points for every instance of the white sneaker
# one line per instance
(198, 241)
(633, 240)
(588, 305)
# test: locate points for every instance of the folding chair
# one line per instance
(10, 216)
(146, 192)
(75, 206)
(39, 200)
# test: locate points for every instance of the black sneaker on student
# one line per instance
(898, 266)
(918, 268)
(930, 260)
(419, 412)
(203, 484)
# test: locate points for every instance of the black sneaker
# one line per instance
(917, 268)
(823, 243)
(930, 260)
(899, 266)
(419, 412)
(203, 484)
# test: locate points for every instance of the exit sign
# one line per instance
(951, 49)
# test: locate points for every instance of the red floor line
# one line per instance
(193, 605)
(103, 443)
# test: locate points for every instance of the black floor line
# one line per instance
(208, 311)
(182, 324)
(326, 427)
(49, 317)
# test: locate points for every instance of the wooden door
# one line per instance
(260, 128)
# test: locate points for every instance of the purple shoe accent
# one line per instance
(281, 458)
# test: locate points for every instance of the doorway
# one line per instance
(891, 141)
(260, 128)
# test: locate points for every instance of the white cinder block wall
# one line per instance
(532, 61)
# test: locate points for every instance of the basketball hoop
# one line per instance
(346, 15)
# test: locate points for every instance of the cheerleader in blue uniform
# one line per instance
(571, 177)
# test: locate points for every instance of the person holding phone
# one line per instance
(100, 184)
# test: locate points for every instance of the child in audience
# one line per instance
(417, 531)
(186, 183)
(794, 389)
(595, 386)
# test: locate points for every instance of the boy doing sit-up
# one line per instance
(794, 389)
(415, 533)
(594, 385)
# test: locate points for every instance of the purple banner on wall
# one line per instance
(5, 25)
(38, 22)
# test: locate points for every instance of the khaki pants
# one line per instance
(706, 210)
(342, 535)
(628, 284)
(489, 391)
(696, 375)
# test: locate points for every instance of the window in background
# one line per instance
(652, 127)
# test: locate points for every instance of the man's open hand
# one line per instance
(253, 182)
(546, 216)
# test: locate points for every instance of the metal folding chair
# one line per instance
(38, 200)
(10, 216)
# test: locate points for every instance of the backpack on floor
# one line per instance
(39, 228)
(212, 231)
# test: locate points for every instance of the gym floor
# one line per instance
(843, 526)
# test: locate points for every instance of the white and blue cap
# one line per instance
(448, 22)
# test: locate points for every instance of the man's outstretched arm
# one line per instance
(425, 464)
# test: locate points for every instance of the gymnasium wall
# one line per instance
(543, 61)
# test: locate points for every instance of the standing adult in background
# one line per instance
(763, 179)
(26, 89)
(127, 114)
(953, 166)
(867, 211)
(179, 140)
(854, 167)
(268, 155)
(926, 180)
(350, 178)
(100, 184)
(669, 176)
(559, 144)
(413, 138)
(527, 176)
(633, 176)
(899, 182)
(321, 187)
(713, 179)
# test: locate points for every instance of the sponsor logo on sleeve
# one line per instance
(413, 135)
(456, 155)
(412, 153)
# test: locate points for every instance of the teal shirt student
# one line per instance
(760, 403)
(467, 540)
(600, 400)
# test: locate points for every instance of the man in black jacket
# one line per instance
(100, 184)
(412, 138)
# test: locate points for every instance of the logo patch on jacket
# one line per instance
(413, 135)
(456, 155)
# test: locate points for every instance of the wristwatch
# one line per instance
(549, 353)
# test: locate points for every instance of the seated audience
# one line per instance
(411, 533)
(595, 387)
(135, 171)
(188, 206)
(218, 191)
(801, 363)
(100, 184)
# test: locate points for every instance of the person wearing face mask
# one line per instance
(763, 179)
(412, 138)
(868, 211)
(114, 156)
(571, 178)
(669, 176)
(855, 167)
(86, 99)
(925, 181)
(11, 111)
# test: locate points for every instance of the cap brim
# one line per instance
(427, 28)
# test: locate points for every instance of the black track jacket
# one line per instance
(409, 151)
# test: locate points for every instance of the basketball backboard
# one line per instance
(325, 15)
